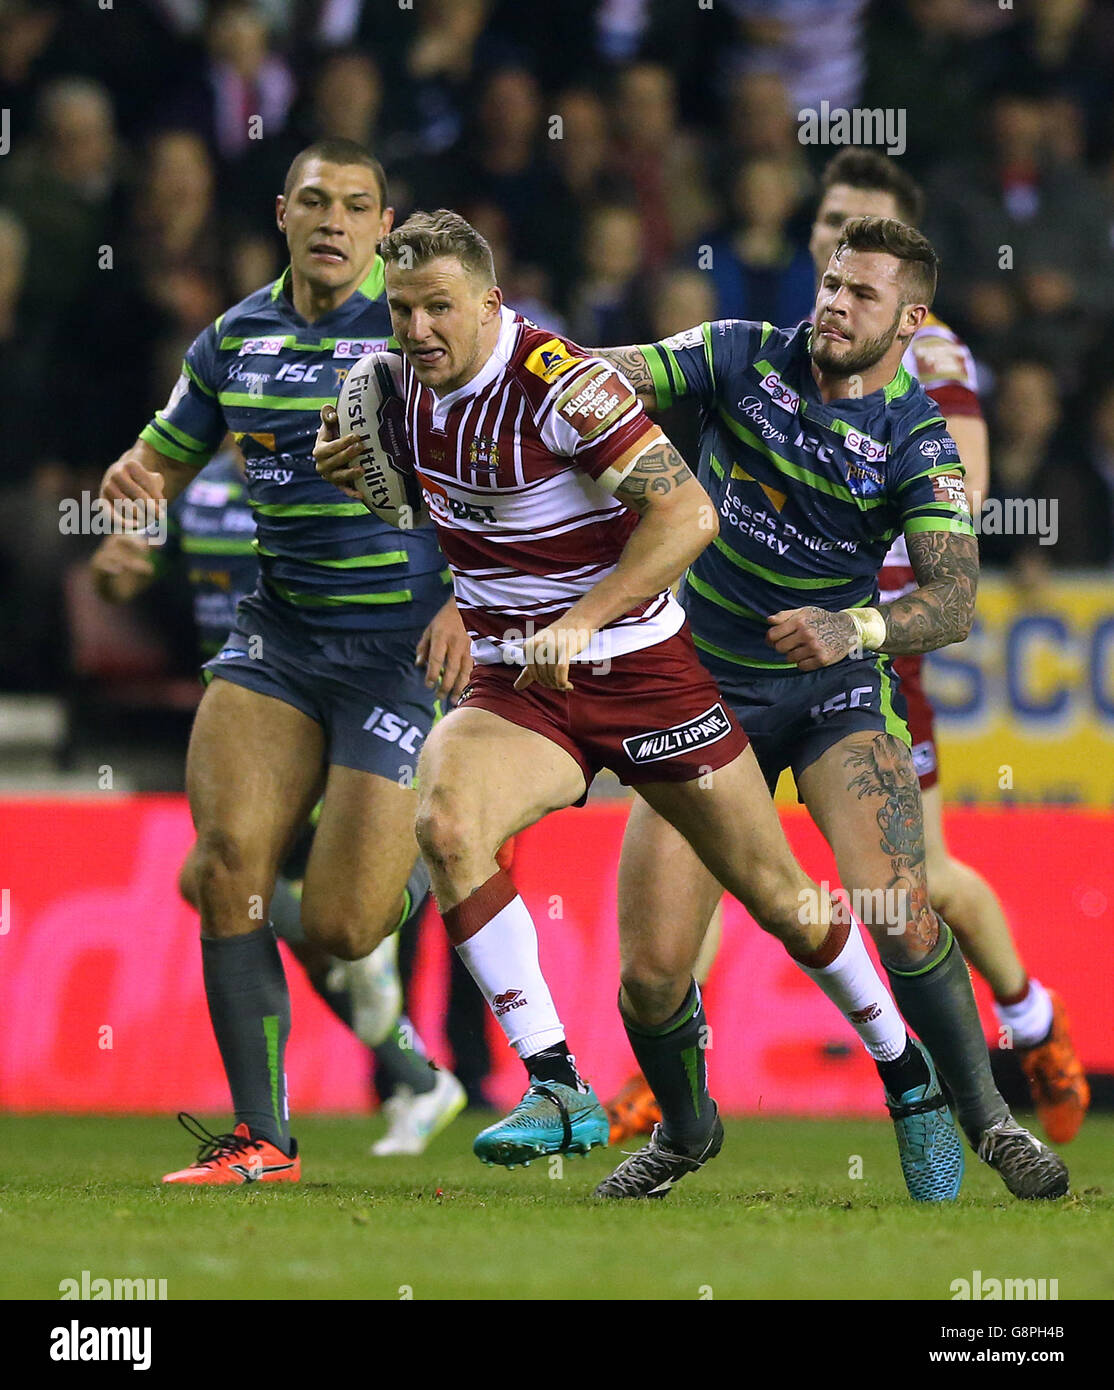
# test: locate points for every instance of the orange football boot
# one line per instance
(1056, 1080)
(633, 1111)
(236, 1158)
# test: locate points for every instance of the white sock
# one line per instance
(502, 958)
(1029, 1020)
(854, 987)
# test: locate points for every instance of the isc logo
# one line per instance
(385, 725)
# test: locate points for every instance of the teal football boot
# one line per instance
(927, 1140)
(551, 1118)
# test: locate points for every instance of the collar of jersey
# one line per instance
(371, 287)
(493, 368)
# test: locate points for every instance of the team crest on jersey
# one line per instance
(261, 347)
(864, 479)
(483, 462)
(550, 360)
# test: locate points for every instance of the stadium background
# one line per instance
(637, 168)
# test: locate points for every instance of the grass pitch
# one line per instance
(777, 1215)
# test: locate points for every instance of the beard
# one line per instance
(849, 358)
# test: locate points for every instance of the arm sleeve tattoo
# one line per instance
(941, 610)
(631, 361)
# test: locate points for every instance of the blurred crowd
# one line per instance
(635, 164)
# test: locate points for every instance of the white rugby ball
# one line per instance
(371, 405)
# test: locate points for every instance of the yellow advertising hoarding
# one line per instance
(1025, 707)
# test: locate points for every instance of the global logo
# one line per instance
(869, 448)
(783, 395)
(930, 448)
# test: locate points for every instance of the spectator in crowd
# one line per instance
(815, 45)
(664, 163)
(1024, 242)
(32, 480)
(761, 124)
(917, 64)
(65, 186)
(243, 90)
(582, 159)
(1081, 480)
(502, 161)
(608, 305)
(758, 271)
(1025, 418)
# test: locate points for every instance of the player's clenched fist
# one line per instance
(336, 457)
(812, 637)
(129, 480)
(548, 655)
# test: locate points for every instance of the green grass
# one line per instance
(776, 1216)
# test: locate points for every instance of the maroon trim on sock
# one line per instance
(488, 900)
(828, 949)
(1006, 999)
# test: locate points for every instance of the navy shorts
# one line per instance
(792, 719)
(362, 688)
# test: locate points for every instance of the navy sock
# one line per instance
(939, 1004)
(250, 1009)
(672, 1058)
(401, 1061)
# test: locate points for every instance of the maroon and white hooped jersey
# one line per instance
(941, 361)
(517, 468)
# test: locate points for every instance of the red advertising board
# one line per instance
(103, 1007)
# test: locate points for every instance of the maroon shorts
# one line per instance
(920, 716)
(651, 716)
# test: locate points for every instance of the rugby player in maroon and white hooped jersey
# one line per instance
(566, 515)
(854, 183)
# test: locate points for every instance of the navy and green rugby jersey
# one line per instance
(809, 495)
(262, 372)
(210, 538)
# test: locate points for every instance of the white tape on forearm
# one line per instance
(870, 625)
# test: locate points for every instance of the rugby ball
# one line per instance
(371, 405)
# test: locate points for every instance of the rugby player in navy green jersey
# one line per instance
(316, 692)
(210, 545)
(818, 448)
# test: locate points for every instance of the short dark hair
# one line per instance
(337, 151)
(428, 235)
(893, 238)
(868, 169)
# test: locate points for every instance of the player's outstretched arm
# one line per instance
(142, 474)
(678, 520)
(631, 361)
